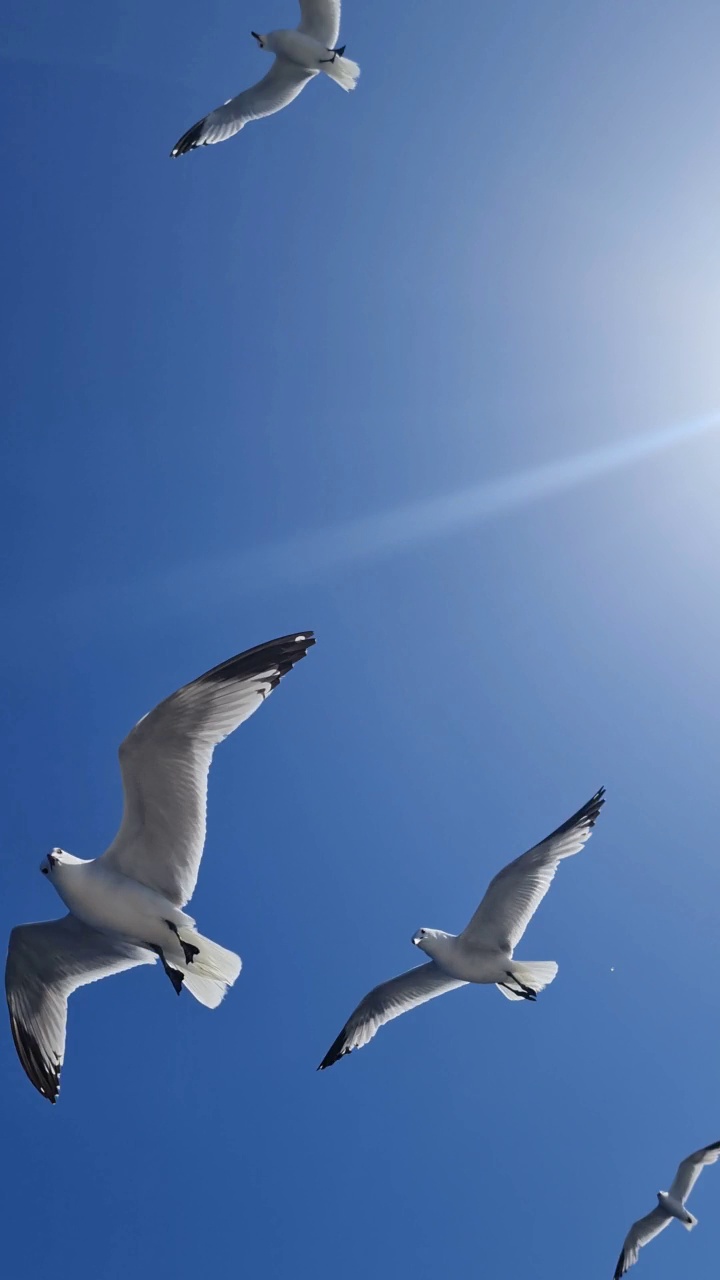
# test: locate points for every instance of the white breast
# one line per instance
(297, 48)
(113, 903)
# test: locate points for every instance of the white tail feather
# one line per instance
(211, 971)
(535, 974)
(343, 71)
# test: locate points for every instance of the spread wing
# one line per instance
(321, 20)
(46, 962)
(276, 90)
(642, 1231)
(386, 1002)
(165, 761)
(690, 1169)
(514, 895)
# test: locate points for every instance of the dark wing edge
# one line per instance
(621, 1268)
(586, 816)
(41, 1071)
(282, 653)
(190, 140)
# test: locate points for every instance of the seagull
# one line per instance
(671, 1204)
(483, 952)
(125, 906)
(299, 56)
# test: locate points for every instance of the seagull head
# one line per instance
(262, 40)
(423, 939)
(48, 864)
(57, 858)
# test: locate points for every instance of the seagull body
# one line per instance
(484, 951)
(126, 907)
(300, 55)
(671, 1204)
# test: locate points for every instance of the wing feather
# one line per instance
(165, 761)
(386, 1002)
(515, 893)
(46, 962)
(276, 90)
(689, 1171)
(640, 1233)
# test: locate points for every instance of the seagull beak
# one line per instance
(255, 34)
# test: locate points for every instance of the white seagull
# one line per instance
(671, 1204)
(483, 952)
(125, 906)
(300, 55)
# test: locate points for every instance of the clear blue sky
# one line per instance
(499, 253)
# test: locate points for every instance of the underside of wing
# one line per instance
(276, 90)
(321, 20)
(166, 758)
(386, 1002)
(640, 1233)
(46, 962)
(690, 1169)
(515, 893)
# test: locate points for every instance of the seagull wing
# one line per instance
(640, 1233)
(386, 1002)
(165, 761)
(45, 964)
(276, 90)
(514, 895)
(321, 20)
(690, 1169)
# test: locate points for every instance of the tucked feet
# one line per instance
(519, 988)
(336, 53)
(175, 976)
(189, 951)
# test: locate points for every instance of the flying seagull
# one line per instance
(125, 906)
(299, 56)
(671, 1204)
(483, 952)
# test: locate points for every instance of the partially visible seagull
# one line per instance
(300, 55)
(483, 952)
(125, 906)
(671, 1204)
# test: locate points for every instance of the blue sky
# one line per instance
(238, 386)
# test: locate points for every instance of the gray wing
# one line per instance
(165, 761)
(46, 962)
(640, 1233)
(321, 20)
(386, 1002)
(690, 1169)
(276, 90)
(513, 896)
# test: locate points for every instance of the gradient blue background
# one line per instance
(501, 251)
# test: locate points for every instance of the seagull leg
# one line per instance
(175, 976)
(336, 53)
(520, 989)
(189, 950)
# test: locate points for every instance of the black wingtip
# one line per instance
(338, 1049)
(282, 654)
(620, 1268)
(44, 1075)
(189, 140)
(586, 816)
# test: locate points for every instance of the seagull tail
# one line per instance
(343, 71)
(534, 975)
(210, 971)
(692, 1221)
